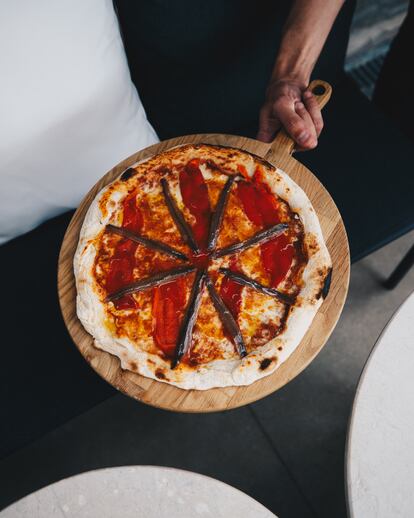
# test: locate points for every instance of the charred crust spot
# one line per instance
(192, 361)
(160, 374)
(280, 348)
(133, 366)
(326, 285)
(214, 167)
(323, 292)
(264, 364)
(283, 320)
(126, 175)
(164, 170)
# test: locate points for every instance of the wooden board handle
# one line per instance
(283, 142)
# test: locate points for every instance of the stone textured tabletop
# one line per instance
(138, 491)
(380, 450)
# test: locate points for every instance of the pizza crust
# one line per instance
(220, 373)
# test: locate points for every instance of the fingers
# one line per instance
(312, 140)
(297, 122)
(302, 121)
(268, 124)
(312, 106)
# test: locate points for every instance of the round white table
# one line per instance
(380, 446)
(137, 492)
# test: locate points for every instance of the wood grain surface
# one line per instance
(166, 396)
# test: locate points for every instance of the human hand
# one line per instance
(289, 104)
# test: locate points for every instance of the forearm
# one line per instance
(288, 102)
(304, 36)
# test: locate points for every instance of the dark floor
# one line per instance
(287, 451)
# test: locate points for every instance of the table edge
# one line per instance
(349, 433)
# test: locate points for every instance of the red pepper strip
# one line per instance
(195, 197)
(258, 203)
(231, 292)
(250, 198)
(119, 270)
(132, 217)
(121, 266)
(167, 309)
(277, 256)
(262, 209)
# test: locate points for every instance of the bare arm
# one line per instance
(288, 102)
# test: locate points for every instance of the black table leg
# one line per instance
(406, 263)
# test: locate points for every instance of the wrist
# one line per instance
(294, 62)
(294, 70)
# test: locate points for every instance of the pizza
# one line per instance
(201, 267)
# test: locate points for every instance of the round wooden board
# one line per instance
(166, 396)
